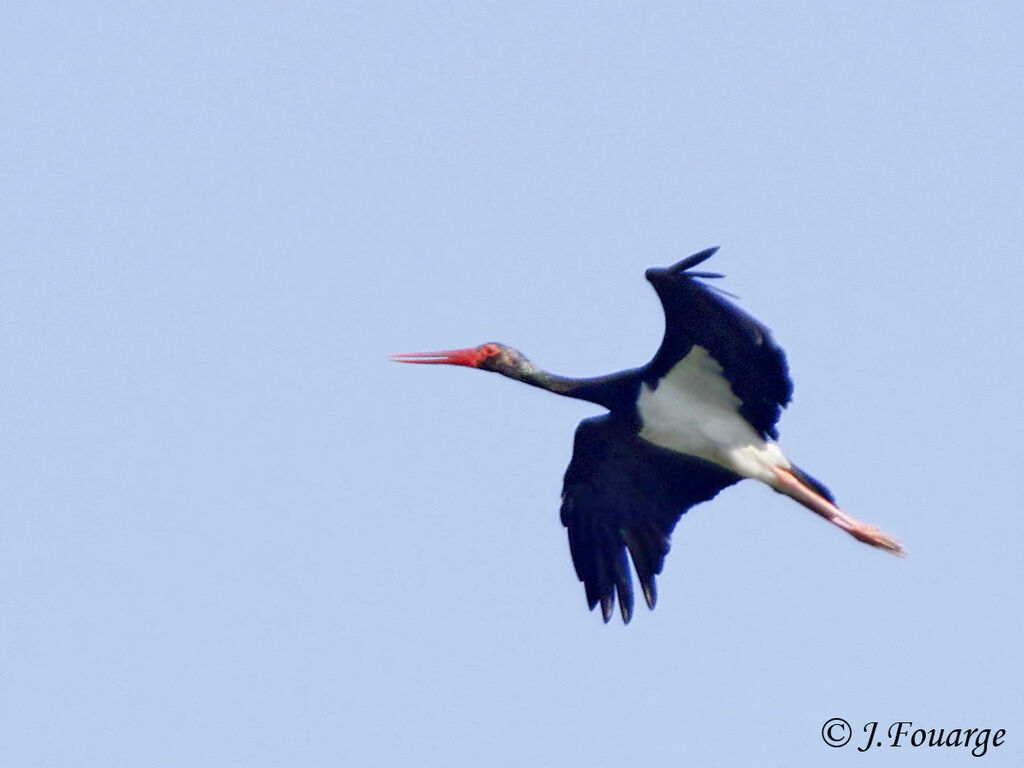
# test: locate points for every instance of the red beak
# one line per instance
(469, 357)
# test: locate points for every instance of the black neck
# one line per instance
(615, 392)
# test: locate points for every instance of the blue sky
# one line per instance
(233, 533)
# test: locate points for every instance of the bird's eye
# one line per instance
(491, 350)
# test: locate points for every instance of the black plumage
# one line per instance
(696, 314)
(622, 493)
(636, 470)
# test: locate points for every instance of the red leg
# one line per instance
(869, 534)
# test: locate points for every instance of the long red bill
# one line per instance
(469, 357)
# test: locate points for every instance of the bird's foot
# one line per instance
(874, 536)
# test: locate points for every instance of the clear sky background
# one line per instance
(233, 533)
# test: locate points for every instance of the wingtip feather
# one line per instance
(650, 592)
(697, 258)
(607, 606)
(686, 264)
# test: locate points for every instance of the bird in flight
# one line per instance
(699, 417)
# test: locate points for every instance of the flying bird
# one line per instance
(699, 417)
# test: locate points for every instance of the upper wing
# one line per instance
(697, 315)
(622, 492)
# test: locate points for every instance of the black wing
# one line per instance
(698, 315)
(621, 492)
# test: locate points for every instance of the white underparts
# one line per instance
(694, 411)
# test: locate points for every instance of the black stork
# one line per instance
(696, 419)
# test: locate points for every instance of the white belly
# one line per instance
(694, 411)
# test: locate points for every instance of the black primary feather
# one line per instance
(623, 494)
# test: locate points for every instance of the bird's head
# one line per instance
(491, 356)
